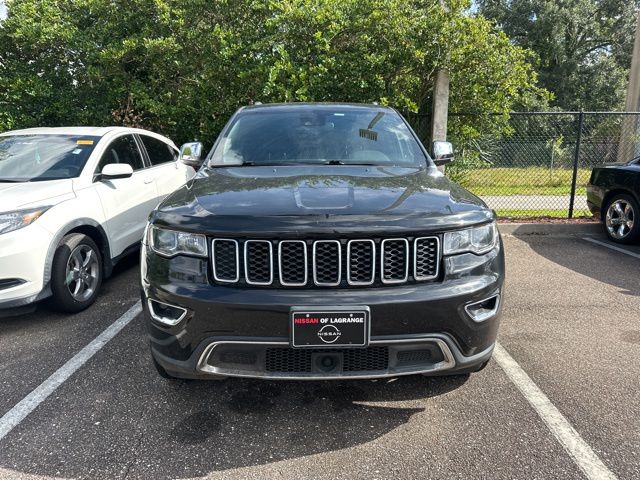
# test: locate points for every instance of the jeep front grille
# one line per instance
(325, 263)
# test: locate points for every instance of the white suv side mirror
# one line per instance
(112, 171)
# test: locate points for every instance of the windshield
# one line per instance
(318, 135)
(30, 158)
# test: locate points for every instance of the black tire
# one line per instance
(482, 366)
(63, 298)
(161, 371)
(630, 234)
(466, 373)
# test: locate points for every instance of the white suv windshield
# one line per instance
(321, 134)
(27, 158)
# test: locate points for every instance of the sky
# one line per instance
(3, 10)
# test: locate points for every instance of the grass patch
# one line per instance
(542, 213)
(523, 181)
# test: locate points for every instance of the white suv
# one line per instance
(73, 201)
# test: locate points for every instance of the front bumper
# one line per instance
(23, 256)
(275, 360)
(230, 331)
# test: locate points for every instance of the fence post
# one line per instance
(576, 159)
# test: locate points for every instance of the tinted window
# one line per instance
(318, 134)
(43, 157)
(158, 151)
(122, 150)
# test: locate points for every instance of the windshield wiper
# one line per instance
(11, 180)
(340, 162)
(250, 163)
(253, 164)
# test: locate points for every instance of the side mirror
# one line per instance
(191, 154)
(113, 171)
(442, 152)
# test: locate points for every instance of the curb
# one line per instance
(549, 228)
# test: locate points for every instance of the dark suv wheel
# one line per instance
(621, 222)
(76, 273)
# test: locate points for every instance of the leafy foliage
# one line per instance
(181, 68)
(583, 46)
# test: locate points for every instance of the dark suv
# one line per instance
(320, 241)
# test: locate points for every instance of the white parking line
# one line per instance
(568, 437)
(612, 247)
(23, 408)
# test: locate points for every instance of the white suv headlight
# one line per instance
(478, 240)
(11, 221)
(171, 242)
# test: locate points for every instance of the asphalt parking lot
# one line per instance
(570, 322)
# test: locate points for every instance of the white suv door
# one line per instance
(126, 202)
(168, 173)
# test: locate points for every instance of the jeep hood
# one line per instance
(321, 198)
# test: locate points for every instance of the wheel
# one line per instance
(621, 222)
(76, 273)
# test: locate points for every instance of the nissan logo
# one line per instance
(329, 333)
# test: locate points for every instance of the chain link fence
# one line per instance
(537, 163)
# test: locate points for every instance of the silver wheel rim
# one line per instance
(620, 219)
(82, 273)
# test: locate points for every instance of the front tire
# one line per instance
(161, 371)
(621, 221)
(76, 274)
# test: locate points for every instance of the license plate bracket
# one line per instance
(329, 327)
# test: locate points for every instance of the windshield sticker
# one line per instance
(85, 142)
(77, 151)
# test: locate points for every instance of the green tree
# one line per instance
(583, 46)
(181, 68)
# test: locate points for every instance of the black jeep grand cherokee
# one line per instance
(320, 241)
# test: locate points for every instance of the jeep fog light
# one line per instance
(484, 309)
(166, 314)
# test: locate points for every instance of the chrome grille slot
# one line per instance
(225, 259)
(327, 263)
(361, 262)
(426, 258)
(292, 263)
(394, 260)
(258, 262)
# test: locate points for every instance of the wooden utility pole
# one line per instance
(633, 91)
(440, 108)
(628, 148)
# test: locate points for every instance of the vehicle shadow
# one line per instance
(255, 422)
(187, 429)
(589, 259)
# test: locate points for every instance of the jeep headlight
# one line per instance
(172, 242)
(478, 240)
(11, 221)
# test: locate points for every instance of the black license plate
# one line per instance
(343, 327)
